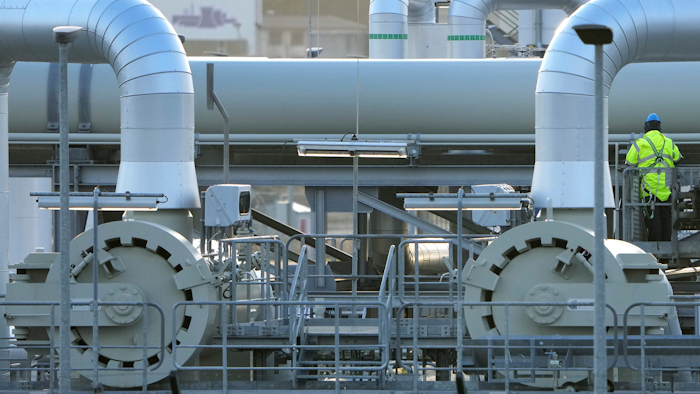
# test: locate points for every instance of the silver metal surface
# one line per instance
(599, 330)
(467, 18)
(64, 152)
(421, 11)
(388, 29)
(644, 31)
(5, 70)
(316, 98)
(152, 73)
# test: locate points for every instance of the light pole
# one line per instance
(64, 36)
(598, 35)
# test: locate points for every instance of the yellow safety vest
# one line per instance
(654, 150)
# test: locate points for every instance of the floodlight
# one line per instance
(451, 204)
(371, 149)
(103, 203)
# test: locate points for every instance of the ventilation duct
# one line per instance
(644, 31)
(388, 25)
(467, 19)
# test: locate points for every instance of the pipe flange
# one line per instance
(544, 314)
(124, 314)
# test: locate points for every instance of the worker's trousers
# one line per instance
(659, 228)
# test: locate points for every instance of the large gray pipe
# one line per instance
(155, 82)
(388, 25)
(282, 99)
(467, 19)
(5, 71)
(644, 31)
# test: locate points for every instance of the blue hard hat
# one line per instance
(653, 117)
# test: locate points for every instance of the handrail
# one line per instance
(641, 305)
(399, 313)
(386, 277)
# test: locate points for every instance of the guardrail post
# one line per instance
(642, 349)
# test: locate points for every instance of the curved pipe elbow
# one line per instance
(145, 52)
(643, 31)
(421, 11)
(398, 7)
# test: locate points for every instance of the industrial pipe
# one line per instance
(154, 78)
(467, 22)
(5, 71)
(290, 98)
(644, 31)
(388, 25)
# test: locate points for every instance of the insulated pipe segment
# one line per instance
(467, 21)
(388, 29)
(421, 11)
(388, 25)
(643, 31)
(155, 82)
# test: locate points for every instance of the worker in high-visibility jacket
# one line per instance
(653, 153)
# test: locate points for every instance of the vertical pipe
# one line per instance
(600, 356)
(64, 370)
(460, 296)
(95, 306)
(224, 345)
(355, 240)
(506, 350)
(5, 70)
(320, 228)
(226, 148)
(538, 28)
(642, 348)
(616, 212)
(388, 29)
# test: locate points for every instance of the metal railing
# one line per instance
(53, 332)
(505, 337)
(665, 345)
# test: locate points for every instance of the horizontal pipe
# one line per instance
(318, 97)
(287, 139)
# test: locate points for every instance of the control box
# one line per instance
(227, 205)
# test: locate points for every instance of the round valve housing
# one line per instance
(550, 264)
(141, 264)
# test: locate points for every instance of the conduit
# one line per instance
(388, 25)
(644, 31)
(467, 22)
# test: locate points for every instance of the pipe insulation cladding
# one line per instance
(388, 25)
(643, 31)
(447, 101)
(467, 21)
(154, 79)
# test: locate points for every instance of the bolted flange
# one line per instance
(544, 314)
(125, 293)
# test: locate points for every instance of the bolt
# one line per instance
(122, 287)
(134, 292)
(111, 292)
(556, 292)
(532, 292)
(544, 288)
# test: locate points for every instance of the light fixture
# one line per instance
(370, 149)
(450, 202)
(105, 202)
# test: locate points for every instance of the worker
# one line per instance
(653, 153)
